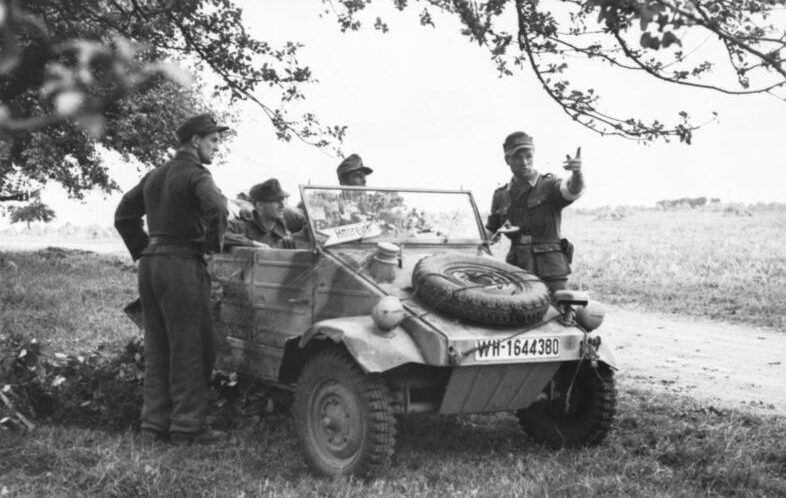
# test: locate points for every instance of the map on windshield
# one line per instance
(339, 215)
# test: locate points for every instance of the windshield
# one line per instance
(351, 214)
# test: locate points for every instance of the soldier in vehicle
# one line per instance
(352, 172)
(264, 226)
(534, 202)
(243, 207)
(186, 217)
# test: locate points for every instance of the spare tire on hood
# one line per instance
(479, 289)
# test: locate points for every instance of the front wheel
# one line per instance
(343, 417)
(577, 408)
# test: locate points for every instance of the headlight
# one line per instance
(590, 316)
(387, 313)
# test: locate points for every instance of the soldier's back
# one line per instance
(170, 202)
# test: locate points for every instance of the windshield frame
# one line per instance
(413, 241)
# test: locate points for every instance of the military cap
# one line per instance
(352, 163)
(202, 124)
(267, 191)
(517, 140)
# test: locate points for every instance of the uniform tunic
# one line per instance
(186, 218)
(537, 209)
(245, 230)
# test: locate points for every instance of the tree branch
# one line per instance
(708, 24)
(271, 114)
(652, 72)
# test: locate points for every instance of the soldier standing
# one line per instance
(534, 202)
(186, 218)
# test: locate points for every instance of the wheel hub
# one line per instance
(335, 421)
(490, 280)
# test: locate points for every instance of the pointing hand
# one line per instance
(573, 164)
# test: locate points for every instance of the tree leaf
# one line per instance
(69, 102)
(173, 72)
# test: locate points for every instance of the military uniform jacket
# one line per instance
(186, 213)
(537, 210)
(246, 229)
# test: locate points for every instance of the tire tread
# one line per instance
(491, 309)
(374, 394)
(601, 417)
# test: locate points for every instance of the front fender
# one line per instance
(605, 352)
(374, 350)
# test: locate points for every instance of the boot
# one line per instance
(208, 436)
(149, 437)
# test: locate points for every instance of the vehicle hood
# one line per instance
(361, 258)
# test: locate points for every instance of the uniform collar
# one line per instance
(278, 227)
(514, 182)
(187, 155)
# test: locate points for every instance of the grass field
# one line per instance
(711, 263)
(661, 447)
(700, 263)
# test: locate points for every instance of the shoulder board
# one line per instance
(501, 187)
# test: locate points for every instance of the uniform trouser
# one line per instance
(179, 348)
(526, 260)
(555, 284)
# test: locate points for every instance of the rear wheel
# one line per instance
(577, 410)
(343, 417)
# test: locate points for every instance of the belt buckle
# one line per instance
(525, 239)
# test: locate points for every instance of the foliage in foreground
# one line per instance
(100, 390)
(97, 390)
(661, 446)
(78, 77)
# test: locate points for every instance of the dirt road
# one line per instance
(731, 366)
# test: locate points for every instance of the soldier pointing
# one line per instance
(534, 202)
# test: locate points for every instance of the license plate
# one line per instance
(517, 348)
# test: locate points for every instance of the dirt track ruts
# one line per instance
(728, 365)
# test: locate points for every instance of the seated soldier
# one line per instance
(264, 226)
(294, 219)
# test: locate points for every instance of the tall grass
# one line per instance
(714, 264)
(70, 300)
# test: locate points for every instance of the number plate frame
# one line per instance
(517, 348)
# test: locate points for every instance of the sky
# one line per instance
(425, 108)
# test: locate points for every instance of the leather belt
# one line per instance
(167, 240)
(526, 240)
(521, 240)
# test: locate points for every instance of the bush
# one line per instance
(101, 391)
(93, 390)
